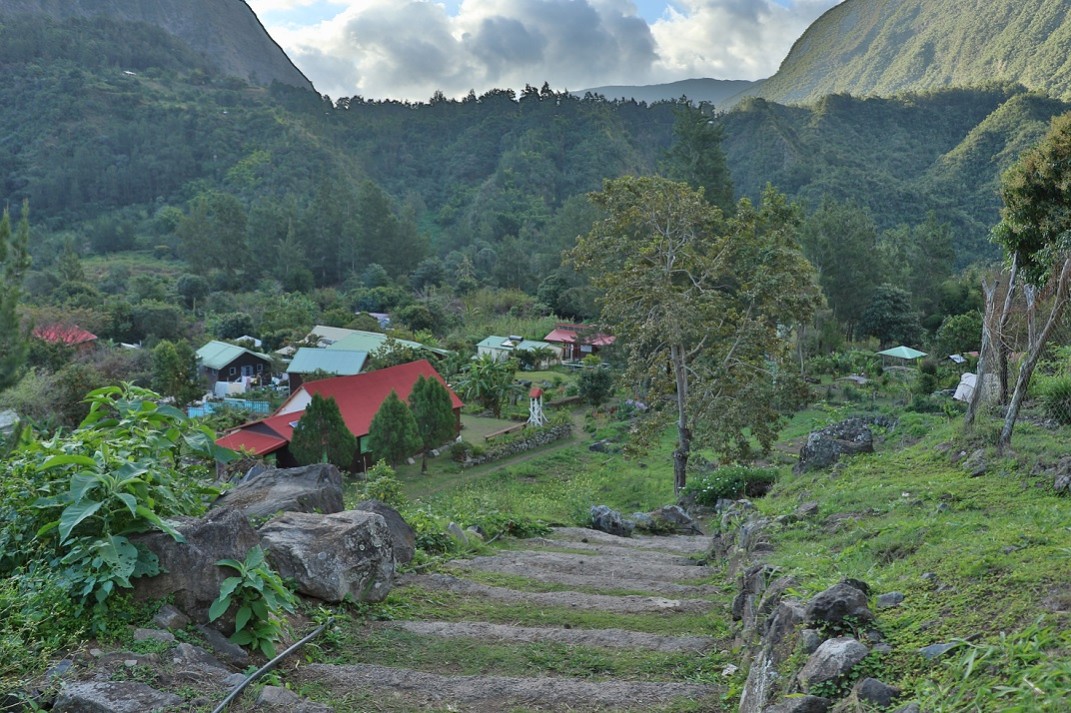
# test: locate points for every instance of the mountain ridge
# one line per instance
(226, 32)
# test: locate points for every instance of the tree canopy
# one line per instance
(393, 435)
(14, 261)
(703, 302)
(433, 411)
(322, 436)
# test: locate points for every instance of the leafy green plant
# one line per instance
(1056, 397)
(382, 484)
(261, 598)
(729, 482)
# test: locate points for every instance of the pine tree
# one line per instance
(14, 261)
(393, 435)
(433, 410)
(174, 371)
(321, 436)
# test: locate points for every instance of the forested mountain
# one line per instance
(225, 32)
(884, 47)
(121, 137)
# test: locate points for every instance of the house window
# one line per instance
(260, 368)
(233, 371)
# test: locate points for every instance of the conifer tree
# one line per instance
(393, 435)
(321, 436)
(14, 261)
(433, 410)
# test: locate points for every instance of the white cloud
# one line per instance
(410, 49)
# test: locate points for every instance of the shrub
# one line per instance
(730, 482)
(1056, 397)
(261, 598)
(382, 485)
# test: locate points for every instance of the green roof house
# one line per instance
(220, 361)
(336, 362)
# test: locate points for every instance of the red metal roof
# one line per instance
(68, 334)
(358, 397)
(567, 335)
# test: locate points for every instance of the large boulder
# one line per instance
(849, 437)
(800, 704)
(841, 601)
(332, 556)
(113, 697)
(403, 535)
(833, 659)
(189, 571)
(611, 521)
(311, 488)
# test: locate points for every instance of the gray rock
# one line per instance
(311, 488)
(190, 655)
(909, 708)
(333, 556)
(170, 618)
(874, 692)
(890, 600)
(674, 517)
(610, 521)
(229, 651)
(274, 698)
(113, 697)
(839, 602)
(643, 521)
(455, 531)
(935, 650)
(153, 635)
(403, 536)
(825, 447)
(189, 571)
(810, 640)
(806, 511)
(975, 464)
(800, 704)
(833, 659)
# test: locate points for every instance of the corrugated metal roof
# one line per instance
(216, 355)
(340, 362)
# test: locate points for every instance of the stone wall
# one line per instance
(531, 438)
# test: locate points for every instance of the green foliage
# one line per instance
(596, 385)
(381, 483)
(393, 435)
(1056, 397)
(729, 482)
(433, 411)
(14, 261)
(488, 382)
(891, 317)
(174, 367)
(71, 501)
(696, 156)
(321, 436)
(959, 333)
(261, 599)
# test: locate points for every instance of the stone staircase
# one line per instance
(580, 621)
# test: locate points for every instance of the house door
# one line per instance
(247, 370)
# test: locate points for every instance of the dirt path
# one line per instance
(646, 648)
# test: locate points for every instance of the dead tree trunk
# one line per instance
(990, 290)
(1002, 329)
(1059, 302)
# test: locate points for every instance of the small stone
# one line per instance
(59, 668)
(130, 663)
(871, 690)
(455, 531)
(729, 670)
(890, 600)
(153, 635)
(882, 648)
(929, 576)
(975, 464)
(934, 650)
(909, 708)
(169, 617)
(810, 640)
(96, 653)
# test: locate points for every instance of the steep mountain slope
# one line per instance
(226, 32)
(882, 47)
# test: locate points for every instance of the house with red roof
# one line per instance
(576, 341)
(67, 335)
(358, 397)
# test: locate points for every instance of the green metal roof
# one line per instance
(368, 342)
(331, 361)
(902, 352)
(216, 355)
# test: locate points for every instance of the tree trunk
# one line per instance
(990, 290)
(1005, 315)
(684, 434)
(1059, 302)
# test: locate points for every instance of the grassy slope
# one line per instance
(863, 47)
(996, 550)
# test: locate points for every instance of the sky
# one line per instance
(409, 49)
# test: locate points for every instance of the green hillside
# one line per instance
(882, 47)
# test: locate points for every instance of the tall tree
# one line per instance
(212, 235)
(321, 435)
(696, 156)
(433, 410)
(890, 316)
(174, 371)
(393, 434)
(701, 303)
(840, 241)
(14, 261)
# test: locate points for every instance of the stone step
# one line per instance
(640, 554)
(628, 604)
(595, 582)
(594, 565)
(605, 638)
(494, 694)
(685, 544)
